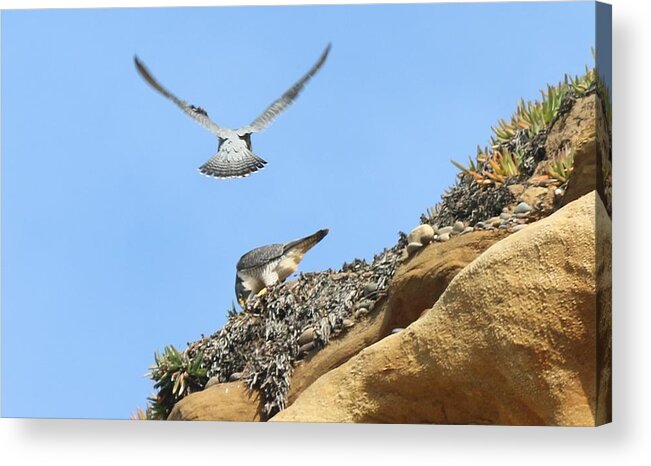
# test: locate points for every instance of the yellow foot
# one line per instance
(262, 292)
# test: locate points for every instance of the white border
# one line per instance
(623, 442)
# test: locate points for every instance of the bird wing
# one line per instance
(195, 113)
(285, 100)
(260, 257)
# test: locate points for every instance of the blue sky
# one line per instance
(113, 245)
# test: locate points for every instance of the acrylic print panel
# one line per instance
(355, 274)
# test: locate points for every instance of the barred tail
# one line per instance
(305, 244)
(232, 164)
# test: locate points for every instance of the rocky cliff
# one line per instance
(495, 310)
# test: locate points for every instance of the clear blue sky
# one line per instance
(113, 245)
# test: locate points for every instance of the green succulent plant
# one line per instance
(141, 415)
(176, 375)
(233, 310)
(493, 167)
(561, 167)
(504, 131)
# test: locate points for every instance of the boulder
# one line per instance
(415, 287)
(230, 401)
(521, 336)
(583, 130)
(422, 234)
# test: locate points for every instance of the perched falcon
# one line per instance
(235, 157)
(267, 265)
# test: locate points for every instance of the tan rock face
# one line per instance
(512, 340)
(604, 247)
(420, 281)
(415, 287)
(222, 402)
(582, 129)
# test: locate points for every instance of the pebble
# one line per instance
(480, 225)
(467, 230)
(211, 381)
(502, 226)
(522, 215)
(370, 289)
(519, 227)
(307, 336)
(347, 323)
(235, 376)
(522, 207)
(361, 312)
(458, 227)
(367, 303)
(559, 192)
(494, 222)
(516, 189)
(423, 234)
(306, 348)
(413, 247)
(505, 215)
(396, 330)
(444, 237)
(444, 230)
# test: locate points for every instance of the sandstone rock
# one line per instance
(222, 402)
(422, 234)
(444, 230)
(416, 285)
(583, 130)
(538, 196)
(512, 340)
(413, 247)
(516, 189)
(604, 247)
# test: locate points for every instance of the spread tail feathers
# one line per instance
(227, 164)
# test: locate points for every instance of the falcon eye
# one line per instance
(198, 110)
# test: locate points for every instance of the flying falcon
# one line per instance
(235, 157)
(267, 265)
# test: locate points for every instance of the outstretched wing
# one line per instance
(285, 100)
(196, 113)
